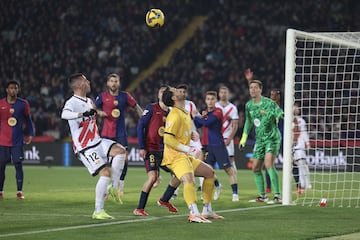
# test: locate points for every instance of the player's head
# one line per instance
(210, 99)
(296, 109)
(224, 93)
(168, 97)
(113, 82)
(160, 92)
(183, 88)
(78, 82)
(255, 87)
(12, 88)
(275, 95)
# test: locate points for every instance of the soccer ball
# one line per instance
(155, 18)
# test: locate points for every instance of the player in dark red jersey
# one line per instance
(14, 115)
(150, 133)
(114, 104)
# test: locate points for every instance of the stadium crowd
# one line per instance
(43, 42)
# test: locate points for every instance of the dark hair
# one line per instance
(223, 87)
(212, 93)
(167, 97)
(182, 86)
(278, 92)
(112, 75)
(8, 83)
(74, 77)
(164, 86)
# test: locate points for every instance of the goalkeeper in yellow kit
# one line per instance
(181, 159)
(264, 114)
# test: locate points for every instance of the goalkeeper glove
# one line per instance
(195, 152)
(89, 113)
(243, 141)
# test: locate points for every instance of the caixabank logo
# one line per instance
(32, 155)
(43, 154)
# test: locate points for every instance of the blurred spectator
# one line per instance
(43, 42)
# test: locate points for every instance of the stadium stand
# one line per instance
(42, 42)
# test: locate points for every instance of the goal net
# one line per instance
(322, 77)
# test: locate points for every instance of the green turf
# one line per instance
(59, 202)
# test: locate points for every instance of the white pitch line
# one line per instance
(142, 219)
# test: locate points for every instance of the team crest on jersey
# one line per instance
(161, 131)
(116, 102)
(168, 124)
(11, 110)
(256, 122)
(12, 121)
(115, 113)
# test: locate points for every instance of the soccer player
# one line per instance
(179, 157)
(301, 147)
(212, 118)
(229, 127)
(14, 114)
(275, 96)
(264, 114)
(89, 147)
(114, 104)
(150, 132)
(195, 140)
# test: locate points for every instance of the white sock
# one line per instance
(201, 180)
(100, 192)
(194, 209)
(117, 167)
(307, 177)
(207, 208)
(302, 172)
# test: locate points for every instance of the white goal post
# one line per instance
(322, 76)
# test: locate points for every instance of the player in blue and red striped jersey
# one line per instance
(150, 132)
(14, 119)
(114, 104)
(217, 152)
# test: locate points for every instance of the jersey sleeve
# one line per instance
(248, 120)
(193, 106)
(279, 113)
(143, 123)
(131, 100)
(29, 122)
(98, 101)
(234, 113)
(211, 118)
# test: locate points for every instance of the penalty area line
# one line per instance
(104, 224)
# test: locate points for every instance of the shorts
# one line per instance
(153, 160)
(183, 165)
(12, 154)
(299, 154)
(261, 148)
(95, 157)
(230, 149)
(218, 154)
(121, 140)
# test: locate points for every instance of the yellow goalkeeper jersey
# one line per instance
(178, 124)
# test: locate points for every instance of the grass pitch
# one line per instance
(59, 202)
